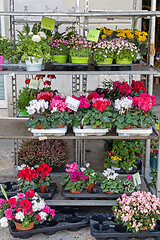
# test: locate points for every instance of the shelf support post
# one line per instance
(158, 167)
(14, 95)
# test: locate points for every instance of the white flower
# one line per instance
(4, 222)
(92, 174)
(36, 106)
(24, 34)
(110, 174)
(19, 216)
(21, 167)
(36, 38)
(42, 34)
(87, 165)
(83, 169)
(54, 109)
(37, 206)
(30, 33)
(43, 215)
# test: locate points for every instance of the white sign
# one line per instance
(34, 84)
(136, 179)
(72, 103)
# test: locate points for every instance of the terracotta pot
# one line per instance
(43, 188)
(90, 187)
(108, 192)
(76, 192)
(128, 127)
(39, 126)
(144, 229)
(20, 228)
(143, 127)
(60, 126)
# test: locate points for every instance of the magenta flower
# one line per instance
(72, 167)
(8, 214)
(20, 195)
(128, 176)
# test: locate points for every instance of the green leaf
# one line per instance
(4, 193)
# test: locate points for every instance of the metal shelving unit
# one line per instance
(15, 126)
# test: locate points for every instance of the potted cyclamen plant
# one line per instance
(125, 51)
(25, 210)
(59, 50)
(93, 176)
(74, 180)
(80, 49)
(34, 49)
(103, 52)
(138, 212)
(43, 177)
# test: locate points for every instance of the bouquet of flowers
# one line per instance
(27, 209)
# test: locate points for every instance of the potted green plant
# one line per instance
(136, 212)
(93, 176)
(25, 210)
(103, 52)
(59, 50)
(80, 49)
(35, 152)
(34, 49)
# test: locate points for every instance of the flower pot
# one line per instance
(143, 127)
(23, 112)
(108, 192)
(20, 228)
(144, 229)
(79, 59)
(60, 58)
(90, 187)
(60, 126)
(61, 131)
(89, 131)
(107, 61)
(32, 65)
(123, 61)
(39, 126)
(43, 188)
(1, 62)
(115, 168)
(128, 127)
(76, 192)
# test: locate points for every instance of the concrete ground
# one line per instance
(7, 169)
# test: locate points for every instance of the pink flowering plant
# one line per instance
(74, 179)
(59, 46)
(140, 210)
(93, 175)
(25, 208)
(79, 47)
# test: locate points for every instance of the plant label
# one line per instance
(72, 103)
(93, 35)
(157, 126)
(136, 179)
(42, 138)
(48, 23)
(33, 84)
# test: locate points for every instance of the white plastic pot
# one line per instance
(135, 132)
(89, 131)
(32, 65)
(49, 131)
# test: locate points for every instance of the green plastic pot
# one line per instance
(60, 58)
(123, 61)
(79, 59)
(108, 61)
(23, 112)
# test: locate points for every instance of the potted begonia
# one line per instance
(34, 49)
(59, 50)
(137, 212)
(25, 210)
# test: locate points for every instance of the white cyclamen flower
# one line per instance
(43, 215)
(21, 167)
(110, 174)
(42, 34)
(54, 109)
(19, 216)
(37, 206)
(87, 165)
(30, 33)
(92, 174)
(83, 169)
(36, 38)
(4, 222)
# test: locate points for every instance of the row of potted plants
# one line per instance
(131, 107)
(75, 181)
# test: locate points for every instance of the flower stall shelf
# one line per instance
(71, 219)
(25, 210)
(135, 216)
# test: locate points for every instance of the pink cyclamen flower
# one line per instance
(46, 209)
(71, 167)
(20, 195)
(129, 176)
(8, 214)
(52, 212)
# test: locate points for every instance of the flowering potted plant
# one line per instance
(34, 49)
(25, 210)
(92, 176)
(43, 177)
(59, 50)
(137, 212)
(80, 49)
(103, 52)
(119, 90)
(125, 52)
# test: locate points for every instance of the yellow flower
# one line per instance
(130, 36)
(108, 32)
(142, 38)
(103, 36)
(121, 35)
(119, 30)
(102, 29)
(145, 33)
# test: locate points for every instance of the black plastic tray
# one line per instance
(113, 67)
(11, 190)
(69, 67)
(103, 227)
(96, 194)
(64, 220)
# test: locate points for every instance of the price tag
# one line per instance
(157, 126)
(43, 138)
(48, 23)
(93, 35)
(136, 179)
(72, 103)
(33, 84)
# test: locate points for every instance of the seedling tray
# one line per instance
(103, 227)
(12, 189)
(113, 67)
(69, 67)
(64, 220)
(96, 194)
